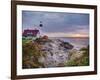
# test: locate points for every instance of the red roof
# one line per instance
(29, 32)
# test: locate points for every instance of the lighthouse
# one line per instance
(41, 25)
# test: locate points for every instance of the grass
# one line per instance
(31, 53)
(83, 61)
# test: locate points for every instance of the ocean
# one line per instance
(76, 41)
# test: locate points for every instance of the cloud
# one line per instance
(56, 22)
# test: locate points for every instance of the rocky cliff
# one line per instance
(49, 53)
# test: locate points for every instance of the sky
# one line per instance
(57, 24)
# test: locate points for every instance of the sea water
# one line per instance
(77, 42)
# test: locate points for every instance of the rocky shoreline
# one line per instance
(45, 53)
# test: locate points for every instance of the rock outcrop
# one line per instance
(56, 52)
(44, 53)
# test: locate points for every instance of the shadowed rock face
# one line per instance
(66, 45)
(56, 52)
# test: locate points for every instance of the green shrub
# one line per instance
(71, 63)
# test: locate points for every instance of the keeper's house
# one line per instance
(30, 33)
